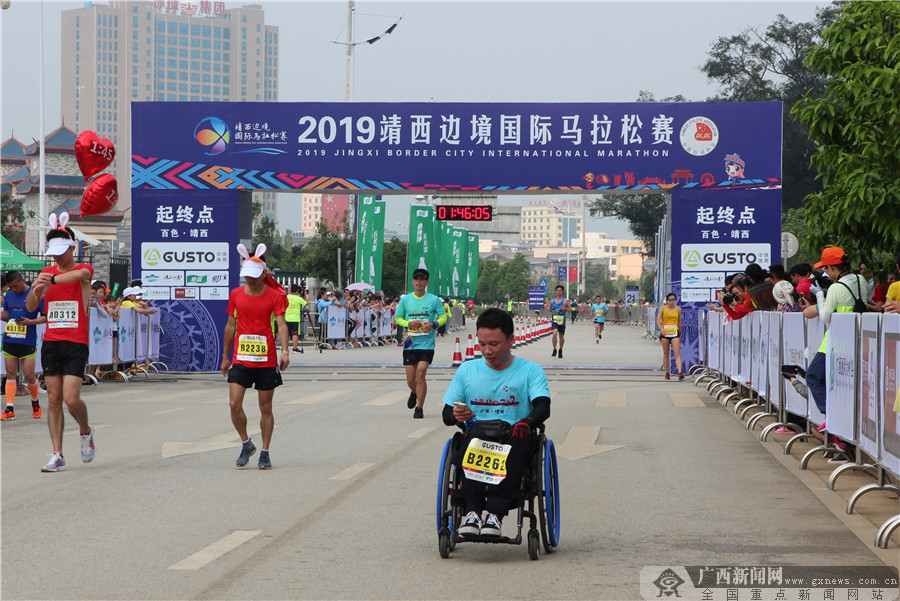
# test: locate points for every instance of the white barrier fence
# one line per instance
(742, 360)
(367, 326)
(137, 343)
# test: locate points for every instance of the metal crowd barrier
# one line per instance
(741, 362)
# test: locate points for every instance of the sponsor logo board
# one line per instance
(162, 278)
(157, 293)
(184, 255)
(186, 293)
(727, 257)
(696, 295)
(206, 278)
(214, 293)
(703, 279)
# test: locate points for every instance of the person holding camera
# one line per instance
(846, 294)
(786, 297)
(736, 302)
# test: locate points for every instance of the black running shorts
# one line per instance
(261, 378)
(412, 357)
(64, 358)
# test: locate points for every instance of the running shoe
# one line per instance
(600, 336)
(842, 446)
(471, 526)
(36, 410)
(821, 428)
(560, 354)
(87, 446)
(411, 401)
(8, 415)
(596, 341)
(418, 413)
(264, 462)
(554, 353)
(247, 450)
(838, 458)
(667, 376)
(491, 526)
(784, 430)
(680, 377)
(57, 463)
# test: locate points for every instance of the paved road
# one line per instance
(668, 477)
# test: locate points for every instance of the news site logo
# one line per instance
(699, 136)
(214, 134)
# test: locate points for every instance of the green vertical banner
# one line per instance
(370, 241)
(472, 266)
(437, 282)
(459, 250)
(422, 250)
(446, 254)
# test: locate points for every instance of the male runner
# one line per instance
(66, 289)
(293, 315)
(251, 309)
(558, 307)
(599, 309)
(497, 387)
(421, 314)
(19, 342)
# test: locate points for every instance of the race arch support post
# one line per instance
(715, 233)
(184, 252)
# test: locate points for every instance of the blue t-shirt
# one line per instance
(505, 394)
(15, 304)
(321, 304)
(599, 312)
(558, 312)
(427, 308)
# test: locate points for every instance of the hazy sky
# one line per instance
(441, 51)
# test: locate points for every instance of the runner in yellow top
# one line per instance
(294, 315)
(668, 320)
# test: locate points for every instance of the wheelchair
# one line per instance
(540, 486)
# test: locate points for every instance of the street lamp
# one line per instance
(568, 242)
(351, 44)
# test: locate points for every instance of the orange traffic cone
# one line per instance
(470, 352)
(477, 350)
(457, 356)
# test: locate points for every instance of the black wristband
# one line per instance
(53, 279)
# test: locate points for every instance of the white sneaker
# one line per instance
(57, 463)
(87, 446)
(491, 526)
(471, 526)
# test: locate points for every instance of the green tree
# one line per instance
(514, 278)
(393, 271)
(643, 213)
(488, 276)
(14, 216)
(854, 125)
(320, 257)
(756, 65)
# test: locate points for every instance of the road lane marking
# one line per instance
(420, 432)
(353, 470)
(386, 399)
(316, 398)
(611, 398)
(172, 410)
(581, 442)
(686, 399)
(215, 550)
(184, 394)
(213, 443)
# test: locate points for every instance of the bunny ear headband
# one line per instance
(253, 266)
(58, 246)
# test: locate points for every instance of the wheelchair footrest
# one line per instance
(504, 540)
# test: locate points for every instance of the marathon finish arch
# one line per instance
(204, 154)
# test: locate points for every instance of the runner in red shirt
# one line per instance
(66, 288)
(249, 357)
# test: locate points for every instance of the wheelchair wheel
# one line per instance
(534, 544)
(446, 523)
(548, 495)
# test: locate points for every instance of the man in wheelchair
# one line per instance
(499, 400)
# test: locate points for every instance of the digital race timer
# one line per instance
(464, 213)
